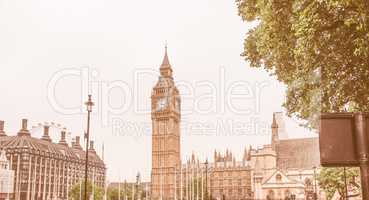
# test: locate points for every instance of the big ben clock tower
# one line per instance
(166, 117)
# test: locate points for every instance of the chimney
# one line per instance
(2, 132)
(78, 140)
(92, 145)
(77, 144)
(46, 136)
(24, 131)
(91, 149)
(62, 140)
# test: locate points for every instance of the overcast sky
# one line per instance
(53, 53)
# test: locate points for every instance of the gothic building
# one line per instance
(166, 117)
(284, 168)
(46, 170)
(230, 179)
(170, 179)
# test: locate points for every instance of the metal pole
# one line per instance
(206, 179)
(362, 150)
(125, 190)
(315, 188)
(119, 189)
(89, 105)
(345, 180)
(80, 189)
(197, 183)
(87, 141)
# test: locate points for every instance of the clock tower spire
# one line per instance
(166, 117)
(166, 68)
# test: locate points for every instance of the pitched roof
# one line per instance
(46, 147)
(272, 179)
(298, 153)
(165, 62)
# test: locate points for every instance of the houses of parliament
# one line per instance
(279, 170)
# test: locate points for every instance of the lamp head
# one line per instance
(89, 103)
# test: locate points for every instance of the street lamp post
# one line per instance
(206, 179)
(89, 105)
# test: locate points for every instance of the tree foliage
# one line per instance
(77, 191)
(332, 180)
(113, 194)
(126, 192)
(318, 48)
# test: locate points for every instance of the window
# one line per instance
(278, 177)
(308, 182)
(270, 194)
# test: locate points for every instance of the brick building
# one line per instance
(6, 178)
(47, 170)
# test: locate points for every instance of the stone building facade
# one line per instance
(46, 170)
(284, 168)
(170, 179)
(225, 178)
(230, 179)
(6, 178)
(166, 117)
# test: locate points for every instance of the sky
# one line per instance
(53, 53)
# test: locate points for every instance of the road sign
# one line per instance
(337, 140)
(344, 141)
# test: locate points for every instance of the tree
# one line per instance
(332, 180)
(113, 192)
(318, 49)
(78, 189)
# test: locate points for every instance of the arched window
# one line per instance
(308, 182)
(270, 195)
(278, 177)
(287, 193)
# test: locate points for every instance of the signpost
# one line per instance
(343, 141)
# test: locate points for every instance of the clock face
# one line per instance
(161, 104)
